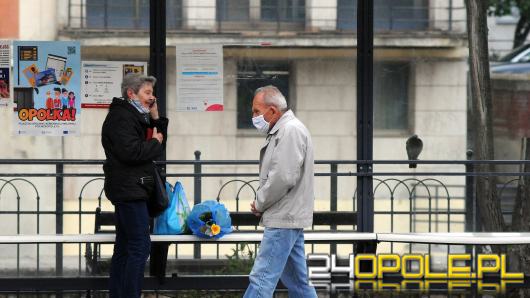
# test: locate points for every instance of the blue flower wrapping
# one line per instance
(209, 212)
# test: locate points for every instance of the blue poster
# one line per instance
(47, 87)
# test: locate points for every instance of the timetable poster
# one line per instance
(46, 87)
(101, 80)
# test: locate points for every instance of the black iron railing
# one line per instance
(43, 199)
(61, 196)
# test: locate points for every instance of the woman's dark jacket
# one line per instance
(129, 153)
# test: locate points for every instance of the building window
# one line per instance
(252, 75)
(233, 10)
(347, 15)
(292, 11)
(388, 14)
(391, 95)
(174, 14)
(128, 14)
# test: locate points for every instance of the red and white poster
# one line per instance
(6, 90)
(200, 77)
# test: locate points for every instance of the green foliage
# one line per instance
(504, 7)
(241, 260)
(206, 217)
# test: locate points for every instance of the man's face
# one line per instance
(259, 107)
(271, 114)
(144, 95)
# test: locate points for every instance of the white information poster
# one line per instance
(199, 77)
(102, 80)
(5, 73)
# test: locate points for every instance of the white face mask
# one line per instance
(261, 124)
(139, 106)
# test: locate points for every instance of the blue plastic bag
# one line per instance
(173, 220)
(209, 219)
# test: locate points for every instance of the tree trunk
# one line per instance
(519, 255)
(521, 31)
(481, 105)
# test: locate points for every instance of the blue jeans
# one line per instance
(281, 256)
(131, 249)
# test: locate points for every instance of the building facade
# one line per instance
(305, 47)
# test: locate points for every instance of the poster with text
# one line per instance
(101, 80)
(6, 89)
(199, 77)
(46, 87)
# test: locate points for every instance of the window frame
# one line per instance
(283, 66)
(413, 23)
(411, 101)
(106, 15)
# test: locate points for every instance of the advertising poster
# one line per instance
(101, 80)
(46, 87)
(199, 77)
(5, 73)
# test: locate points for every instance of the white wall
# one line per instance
(325, 89)
(321, 15)
(199, 14)
(443, 19)
(39, 19)
(325, 102)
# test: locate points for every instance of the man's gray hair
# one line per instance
(273, 97)
(135, 81)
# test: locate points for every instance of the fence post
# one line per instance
(197, 188)
(470, 198)
(333, 199)
(59, 196)
(365, 108)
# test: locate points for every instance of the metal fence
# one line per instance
(36, 198)
(266, 15)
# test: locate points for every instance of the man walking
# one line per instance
(285, 197)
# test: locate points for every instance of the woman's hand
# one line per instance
(158, 135)
(153, 110)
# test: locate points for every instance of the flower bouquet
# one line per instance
(209, 219)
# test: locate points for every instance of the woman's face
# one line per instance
(71, 96)
(145, 95)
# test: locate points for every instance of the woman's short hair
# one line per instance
(272, 96)
(135, 81)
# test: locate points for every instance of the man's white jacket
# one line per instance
(286, 178)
